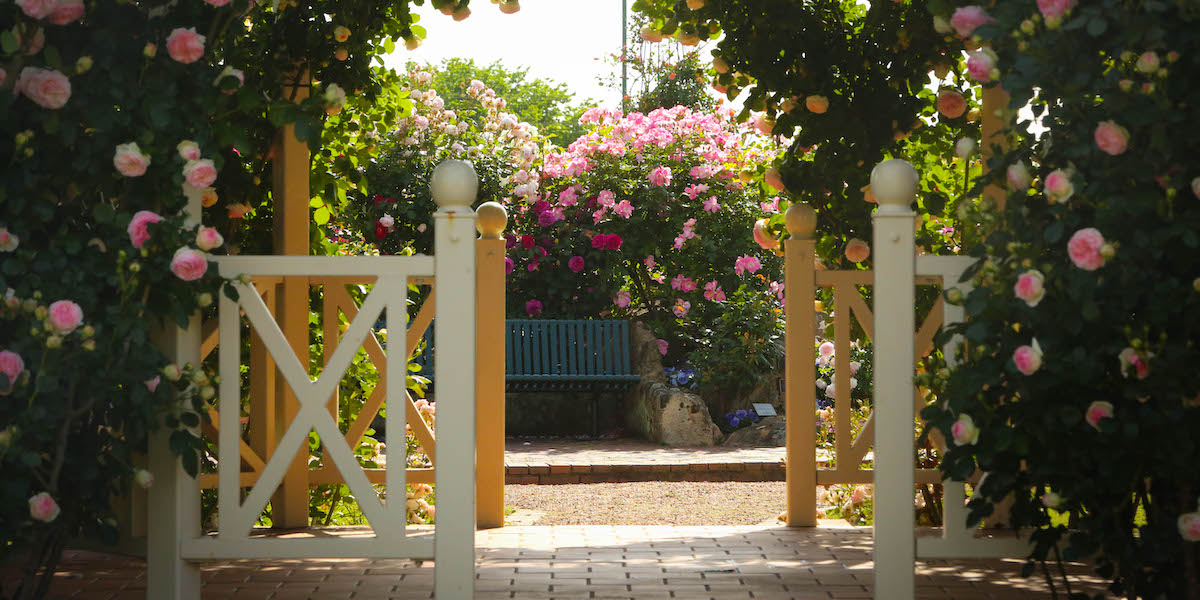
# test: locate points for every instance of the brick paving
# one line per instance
(610, 461)
(611, 562)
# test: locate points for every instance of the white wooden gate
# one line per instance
(175, 542)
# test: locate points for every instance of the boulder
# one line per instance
(771, 431)
(661, 413)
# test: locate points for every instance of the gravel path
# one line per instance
(646, 503)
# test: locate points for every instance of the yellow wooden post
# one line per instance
(491, 219)
(800, 372)
(290, 172)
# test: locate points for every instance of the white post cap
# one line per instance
(894, 183)
(454, 183)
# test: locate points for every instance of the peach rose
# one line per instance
(1111, 138)
(341, 33)
(951, 104)
(1084, 249)
(185, 45)
(817, 104)
(1098, 411)
(762, 238)
(208, 238)
(774, 179)
(208, 197)
(189, 264)
(64, 316)
(239, 210)
(200, 173)
(45, 87)
(652, 35)
(967, 18)
(1030, 287)
(137, 227)
(129, 160)
(1028, 358)
(964, 431)
(857, 250)
(42, 507)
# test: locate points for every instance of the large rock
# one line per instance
(771, 431)
(661, 413)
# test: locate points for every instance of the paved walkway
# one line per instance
(599, 461)
(637, 563)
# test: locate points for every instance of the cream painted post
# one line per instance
(491, 218)
(454, 185)
(290, 171)
(173, 502)
(799, 370)
(894, 183)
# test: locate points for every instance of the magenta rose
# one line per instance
(42, 507)
(1111, 138)
(185, 45)
(45, 87)
(189, 264)
(1030, 287)
(64, 316)
(137, 227)
(66, 11)
(1084, 249)
(1098, 411)
(951, 103)
(1052, 9)
(662, 347)
(533, 308)
(508, 265)
(130, 161)
(12, 366)
(967, 18)
(576, 263)
(200, 173)
(1028, 358)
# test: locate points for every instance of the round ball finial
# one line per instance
(801, 220)
(490, 220)
(894, 182)
(454, 183)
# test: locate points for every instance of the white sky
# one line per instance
(559, 40)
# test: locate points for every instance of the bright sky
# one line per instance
(559, 40)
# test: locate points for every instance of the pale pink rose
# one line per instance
(37, 9)
(964, 431)
(11, 365)
(64, 316)
(762, 238)
(1028, 358)
(185, 45)
(981, 65)
(129, 160)
(200, 173)
(237, 74)
(143, 478)
(965, 148)
(1084, 249)
(42, 507)
(1030, 287)
(188, 150)
(1196, 187)
(1111, 138)
(152, 383)
(1148, 62)
(662, 347)
(188, 264)
(137, 227)
(774, 179)
(816, 104)
(208, 238)
(1058, 186)
(1051, 500)
(1052, 9)
(1132, 358)
(66, 11)
(1018, 176)
(1189, 526)
(825, 350)
(951, 104)
(1098, 411)
(857, 250)
(967, 18)
(8, 241)
(46, 88)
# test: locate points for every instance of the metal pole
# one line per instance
(624, 43)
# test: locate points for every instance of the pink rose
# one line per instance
(143, 478)
(188, 150)
(966, 19)
(681, 307)
(773, 179)
(1058, 186)
(981, 65)
(43, 508)
(575, 263)
(1148, 62)
(662, 347)
(1111, 138)
(1098, 411)
(533, 308)
(37, 9)
(857, 250)
(185, 45)
(1052, 9)
(1030, 287)
(200, 173)
(189, 264)
(1028, 358)
(951, 103)
(8, 241)
(1051, 500)
(152, 383)
(64, 316)
(816, 104)
(622, 300)
(660, 176)
(1084, 249)
(762, 238)
(11, 365)
(129, 160)
(66, 11)
(208, 238)
(137, 227)
(964, 431)
(1189, 526)
(1132, 358)
(1018, 176)
(46, 88)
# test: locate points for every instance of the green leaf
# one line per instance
(321, 216)
(8, 42)
(1097, 26)
(1054, 232)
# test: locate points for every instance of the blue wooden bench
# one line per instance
(544, 355)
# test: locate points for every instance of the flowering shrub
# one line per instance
(861, 388)
(596, 238)
(1077, 391)
(742, 417)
